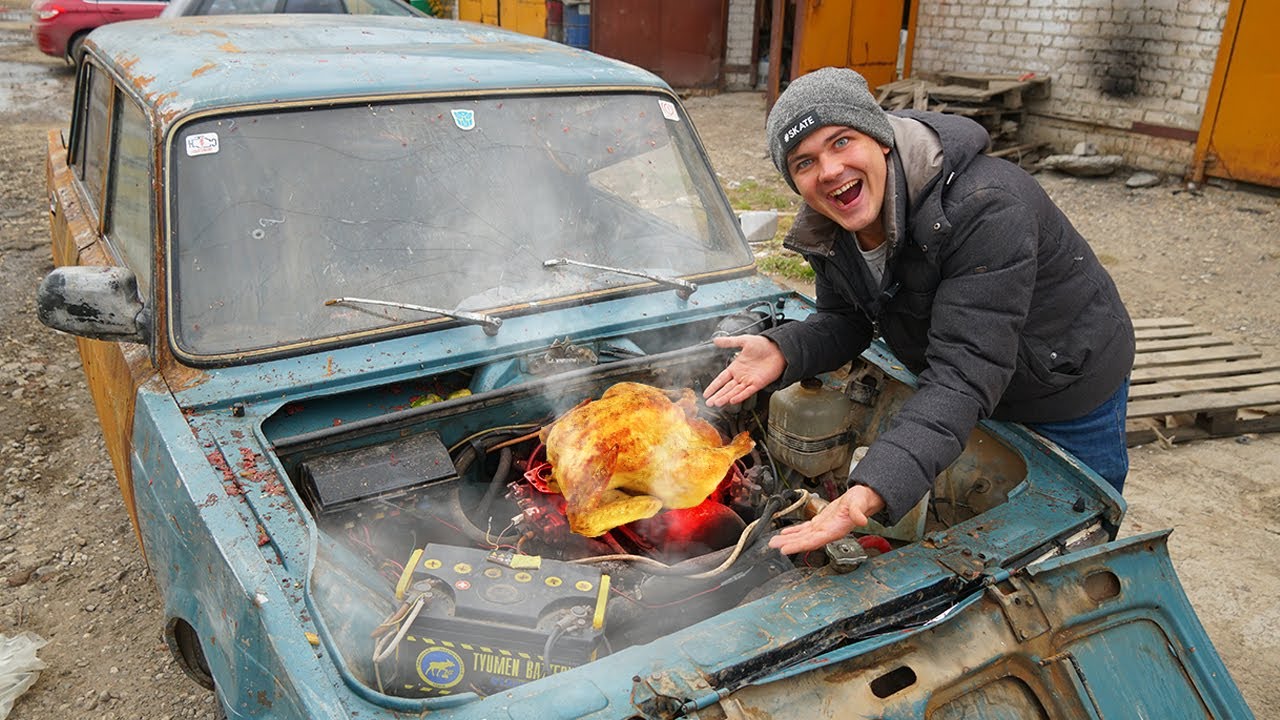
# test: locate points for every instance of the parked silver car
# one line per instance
(179, 8)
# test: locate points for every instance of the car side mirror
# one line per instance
(99, 302)
(759, 225)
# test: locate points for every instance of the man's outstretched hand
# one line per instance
(850, 510)
(758, 363)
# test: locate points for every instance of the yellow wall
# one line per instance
(858, 34)
(1240, 135)
(523, 16)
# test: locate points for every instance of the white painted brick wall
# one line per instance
(738, 39)
(1112, 63)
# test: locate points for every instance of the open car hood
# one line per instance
(1106, 632)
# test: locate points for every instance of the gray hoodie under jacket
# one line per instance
(989, 295)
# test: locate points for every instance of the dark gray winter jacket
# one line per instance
(989, 295)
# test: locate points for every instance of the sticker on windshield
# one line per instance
(464, 119)
(202, 144)
(669, 110)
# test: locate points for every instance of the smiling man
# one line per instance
(967, 270)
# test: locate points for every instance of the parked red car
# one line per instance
(60, 26)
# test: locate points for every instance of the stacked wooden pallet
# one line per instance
(1188, 383)
(996, 101)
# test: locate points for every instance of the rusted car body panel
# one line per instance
(1058, 638)
(1008, 600)
(114, 371)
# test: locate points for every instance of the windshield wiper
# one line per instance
(684, 288)
(489, 322)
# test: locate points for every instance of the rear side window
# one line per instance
(78, 118)
(233, 7)
(92, 146)
(130, 198)
(381, 7)
(314, 6)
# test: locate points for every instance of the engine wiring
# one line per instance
(392, 631)
(547, 647)
(516, 440)
(768, 455)
(382, 651)
(662, 568)
(657, 606)
(488, 431)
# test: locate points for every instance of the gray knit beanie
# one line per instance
(829, 96)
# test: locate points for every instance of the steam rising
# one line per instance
(363, 556)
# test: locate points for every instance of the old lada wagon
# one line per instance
(342, 286)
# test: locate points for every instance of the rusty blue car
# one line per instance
(332, 280)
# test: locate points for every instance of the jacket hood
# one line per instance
(958, 140)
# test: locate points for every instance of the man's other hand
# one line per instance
(758, 363)
(850, 510)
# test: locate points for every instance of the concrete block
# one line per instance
(759, 225)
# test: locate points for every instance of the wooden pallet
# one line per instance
(1188, 384)
(994, 101)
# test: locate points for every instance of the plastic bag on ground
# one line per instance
(19, 667)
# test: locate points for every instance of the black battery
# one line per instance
(487, 620)
(339, 482)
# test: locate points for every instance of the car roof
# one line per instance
(188, 64)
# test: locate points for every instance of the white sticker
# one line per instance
(464, 119)
(202, 144)
(669, 110)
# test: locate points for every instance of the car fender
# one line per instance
(214, 574)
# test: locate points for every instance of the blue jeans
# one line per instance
(1096, 439)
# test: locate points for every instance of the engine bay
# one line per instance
(448, 560)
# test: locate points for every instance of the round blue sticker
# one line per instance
(440, 668)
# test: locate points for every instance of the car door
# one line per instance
(117, 10)
(101, 203)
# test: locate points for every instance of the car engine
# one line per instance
(448, 560)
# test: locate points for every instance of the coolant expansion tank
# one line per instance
(810, 428)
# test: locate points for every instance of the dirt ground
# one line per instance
(71, 572)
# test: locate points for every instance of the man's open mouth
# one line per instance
(847, 193)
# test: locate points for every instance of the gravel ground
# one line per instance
(70, 569)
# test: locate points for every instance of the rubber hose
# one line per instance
(452, 512)
(498, 481)
(771, 506)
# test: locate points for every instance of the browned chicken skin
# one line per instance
(634, 452)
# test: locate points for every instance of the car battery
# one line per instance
(487, 620)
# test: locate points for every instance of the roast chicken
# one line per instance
(633, 453)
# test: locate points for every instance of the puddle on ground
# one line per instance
(27, 88)
(24, 88)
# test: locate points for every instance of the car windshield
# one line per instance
(452, 204)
